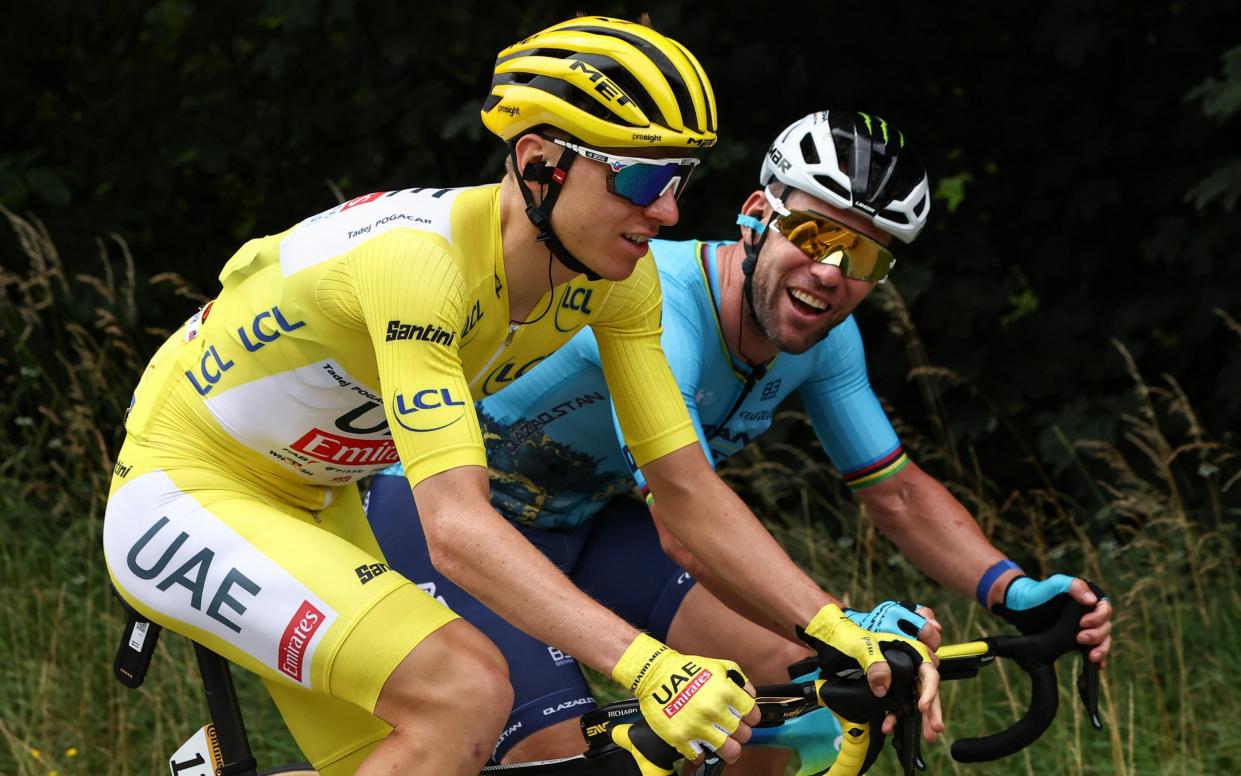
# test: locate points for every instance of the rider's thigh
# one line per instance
(256, 580)
(454, 679)
(705, 626)
(334, 736)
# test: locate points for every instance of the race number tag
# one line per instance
(199, 756)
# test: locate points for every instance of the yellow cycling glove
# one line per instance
(689, 701)
(842, 646)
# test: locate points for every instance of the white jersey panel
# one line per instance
(292, 431)
(184, 562)
(337, 231)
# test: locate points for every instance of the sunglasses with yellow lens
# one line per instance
(831, 242)
(823, 238)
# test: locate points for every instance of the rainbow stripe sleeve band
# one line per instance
(878, 470)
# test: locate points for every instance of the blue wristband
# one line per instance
(990, 576)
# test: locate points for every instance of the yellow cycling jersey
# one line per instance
(362, 334)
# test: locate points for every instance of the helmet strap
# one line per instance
(540, 213)
(748, 265)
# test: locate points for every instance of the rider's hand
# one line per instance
(1032, 607)
(842, 647)
(910, 619)
(689, 701)
(901, 618)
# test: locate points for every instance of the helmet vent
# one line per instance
(680, 90)
(920, 208)
(632, 88)
(834, 187)
(894, 216)
(809, 151)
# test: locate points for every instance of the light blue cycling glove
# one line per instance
(1033, 606)
(890, 617)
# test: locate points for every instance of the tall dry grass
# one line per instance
(71, 349)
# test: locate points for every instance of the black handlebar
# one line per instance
(1036, 654)
(852, 700)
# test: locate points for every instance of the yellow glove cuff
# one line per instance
(825, 622)
(635, 664)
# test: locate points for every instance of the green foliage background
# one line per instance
(1084, 156)
(1072, 375)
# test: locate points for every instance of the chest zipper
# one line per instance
(508, 340)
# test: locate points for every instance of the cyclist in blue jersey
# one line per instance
(746, 324)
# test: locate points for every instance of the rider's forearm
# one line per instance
(474, 546)
(726, 593)
(934, 530)
(716, 527)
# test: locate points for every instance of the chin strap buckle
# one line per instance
(540, 221)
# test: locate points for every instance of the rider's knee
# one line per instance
(480, 674)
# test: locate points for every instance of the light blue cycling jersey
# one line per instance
(555, 453)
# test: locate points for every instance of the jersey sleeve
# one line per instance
(682, 344)
(648, 402)
(403, 279)
(847, 417)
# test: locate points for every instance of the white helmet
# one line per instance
(853, 160)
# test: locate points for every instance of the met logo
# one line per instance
(603, 84)
(427, 400)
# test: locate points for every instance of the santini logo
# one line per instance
(424, 333)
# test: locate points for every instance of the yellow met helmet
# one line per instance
(607, 82)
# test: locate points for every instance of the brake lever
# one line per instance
(906, 736)
(901, 701)
(1088, 680)
(1088, 690)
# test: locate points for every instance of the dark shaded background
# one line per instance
(1085, 156)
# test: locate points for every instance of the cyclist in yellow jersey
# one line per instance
(361, 336)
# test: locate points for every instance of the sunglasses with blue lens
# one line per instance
(640, 181)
